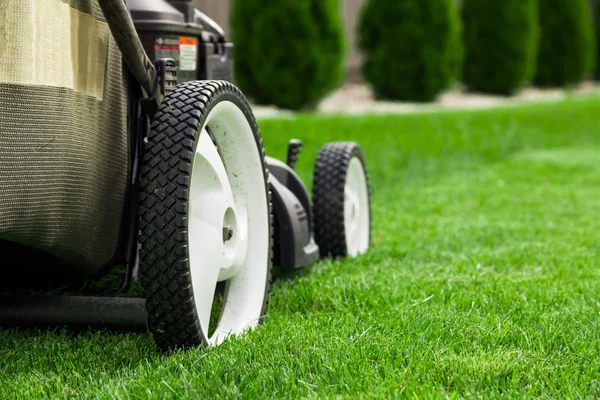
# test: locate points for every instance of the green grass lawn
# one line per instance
(483, 278)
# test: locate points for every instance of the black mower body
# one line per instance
(295, 246)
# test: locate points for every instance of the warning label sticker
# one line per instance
(188, 53)
(184, 50)
(167, 48)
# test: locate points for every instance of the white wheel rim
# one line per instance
(356, 209)
(228, 189)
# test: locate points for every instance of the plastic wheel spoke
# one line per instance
(352, 208)
(205, 275)
(207, 150)
(352, 199)
(241, 248)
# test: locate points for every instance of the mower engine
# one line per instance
(178, 31)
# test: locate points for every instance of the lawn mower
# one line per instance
(125, 146)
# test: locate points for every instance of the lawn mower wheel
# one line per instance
(205, 216)
(341, 201)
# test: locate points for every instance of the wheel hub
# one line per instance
(227, 233)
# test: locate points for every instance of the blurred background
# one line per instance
(219, 10)
(354, 56)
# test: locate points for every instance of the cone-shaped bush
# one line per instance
(500, 39)
(457, 52)
(597, 40)
(411, 48)
(592, 50)
(565, 43)
(288, 53)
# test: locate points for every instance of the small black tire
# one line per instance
(331, 174)
(165, 193)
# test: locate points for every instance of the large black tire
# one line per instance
(330, 174)
(165, 187)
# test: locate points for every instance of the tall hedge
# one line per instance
(565, 43)
(597, 39)
(592, 41)
(411, 48)
(500, 39)
(457, 49)
(593, 54)
(288, 53)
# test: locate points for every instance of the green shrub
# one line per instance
(457, 51)
(592, 59)
(566, 42)
(290, 53)
(592, 40)
(597, 40)
(500, 40)
(411, 48)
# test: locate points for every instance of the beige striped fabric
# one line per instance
(63, 130)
